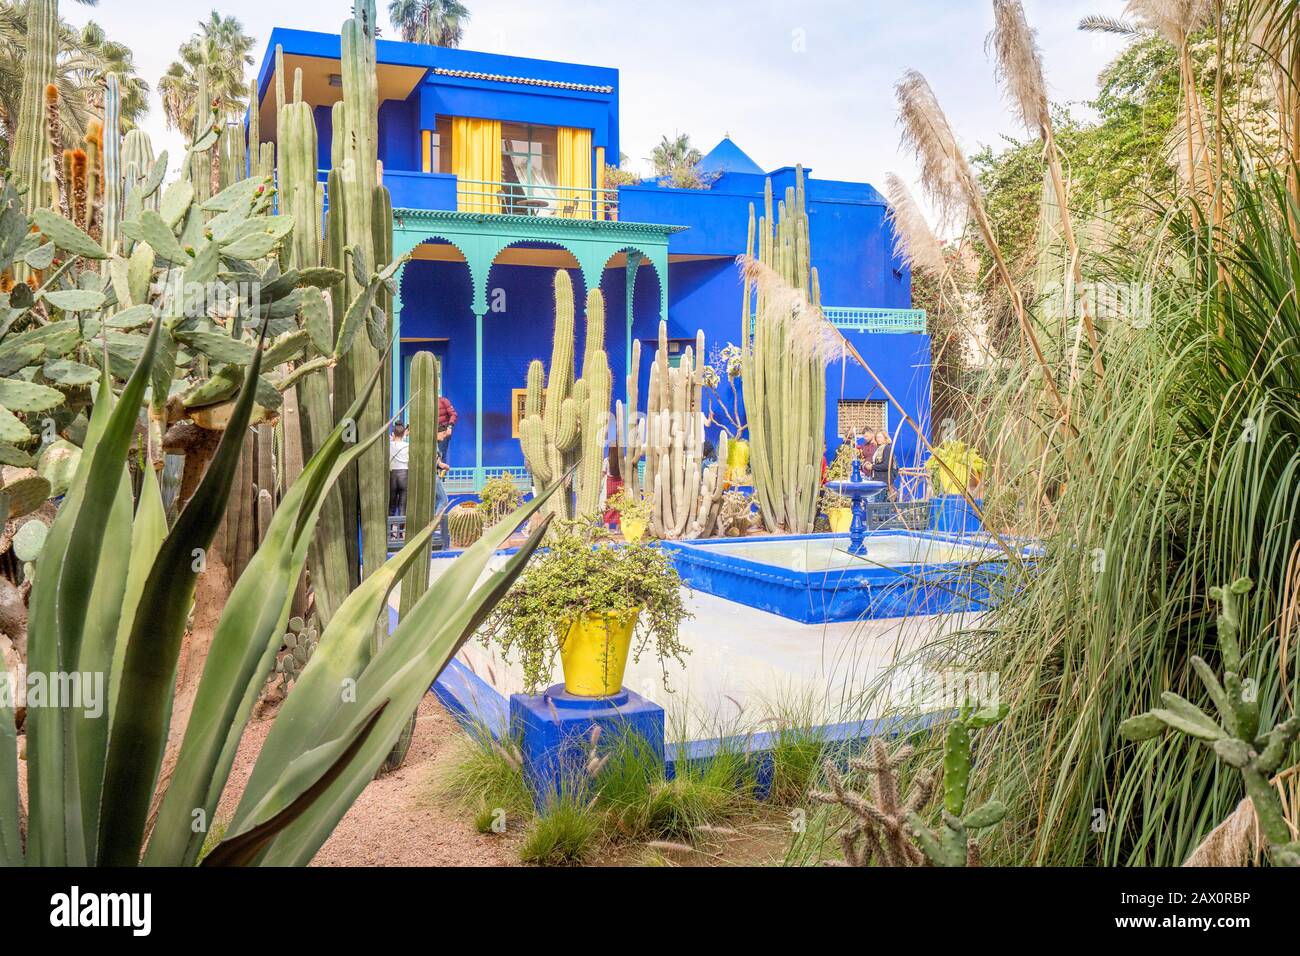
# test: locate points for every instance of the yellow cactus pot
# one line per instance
(840, 519)
(633, 529)
(737, 459)
(594, 654)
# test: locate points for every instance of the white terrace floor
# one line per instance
(748, 667)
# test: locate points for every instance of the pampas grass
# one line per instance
(914, 240)
(1020, 68)
(1019, 65)
(948, 179)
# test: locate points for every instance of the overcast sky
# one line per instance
(808, 81)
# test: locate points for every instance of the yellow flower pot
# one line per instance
(840, 519)
(594, 654)
(633, 529)
(737, 458)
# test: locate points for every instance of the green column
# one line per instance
(633, 263)
(397, 395)
(478, 400)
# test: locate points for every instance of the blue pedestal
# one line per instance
(554, 732)
(954, 513)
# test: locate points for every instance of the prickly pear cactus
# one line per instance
(296, 649)
(952, 845)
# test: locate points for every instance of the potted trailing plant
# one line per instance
(593, 606)
(633, 514)
(955, 467)
(838, 510)
(498, 498)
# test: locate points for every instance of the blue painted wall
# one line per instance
(851, 241)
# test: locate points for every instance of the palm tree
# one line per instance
(672, 154)
(435, 22)
(116, 58)
(222, 46)
(86, 57)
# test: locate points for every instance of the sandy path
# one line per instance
(396, 821)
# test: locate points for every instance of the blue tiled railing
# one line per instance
(875, 320)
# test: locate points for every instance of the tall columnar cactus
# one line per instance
(685, 496)
(112, 215)
(138, 167)
(31, 147)
(422, 462)
(1236, 737)
(566, 423)
(629, 430)
(366, 215)
(783, 363)
(952, 845)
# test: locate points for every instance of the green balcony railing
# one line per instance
(875, 320)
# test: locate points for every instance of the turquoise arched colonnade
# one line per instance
(481, 237)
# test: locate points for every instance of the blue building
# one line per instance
(497, 170)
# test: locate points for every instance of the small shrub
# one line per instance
(483, 775)
(566, 833)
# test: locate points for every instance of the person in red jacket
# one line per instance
(446, 422)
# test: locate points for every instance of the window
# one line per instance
(861, 416)
(441, 159)
(528, 166)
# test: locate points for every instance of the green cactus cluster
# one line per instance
(879, 827)
(952, 844)
(566, 421)
(1236, 737)
(685, 496)
(296, 649)
(890, 829)
(464, 526)
(783, 365)
(343, 258)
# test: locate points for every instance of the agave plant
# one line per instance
(100, 610)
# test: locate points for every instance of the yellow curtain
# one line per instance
(573, 156)
(476, 161)
(600, 182)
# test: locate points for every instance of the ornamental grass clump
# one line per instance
(575, 578)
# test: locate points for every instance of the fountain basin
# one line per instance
(815, 579)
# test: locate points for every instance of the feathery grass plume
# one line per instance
(807, 332)
(914, 241)
(1274, 29)
(947, 177)
(1175, 20)
(1019, 64)
(1020, 68)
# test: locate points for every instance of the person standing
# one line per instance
(398, 465)
(882, 464)
(446, 422)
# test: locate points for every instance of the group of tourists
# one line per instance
(399, 458)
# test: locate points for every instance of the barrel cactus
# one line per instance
(464, 526)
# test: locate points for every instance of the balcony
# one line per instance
(875, 320)
(417, 190)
